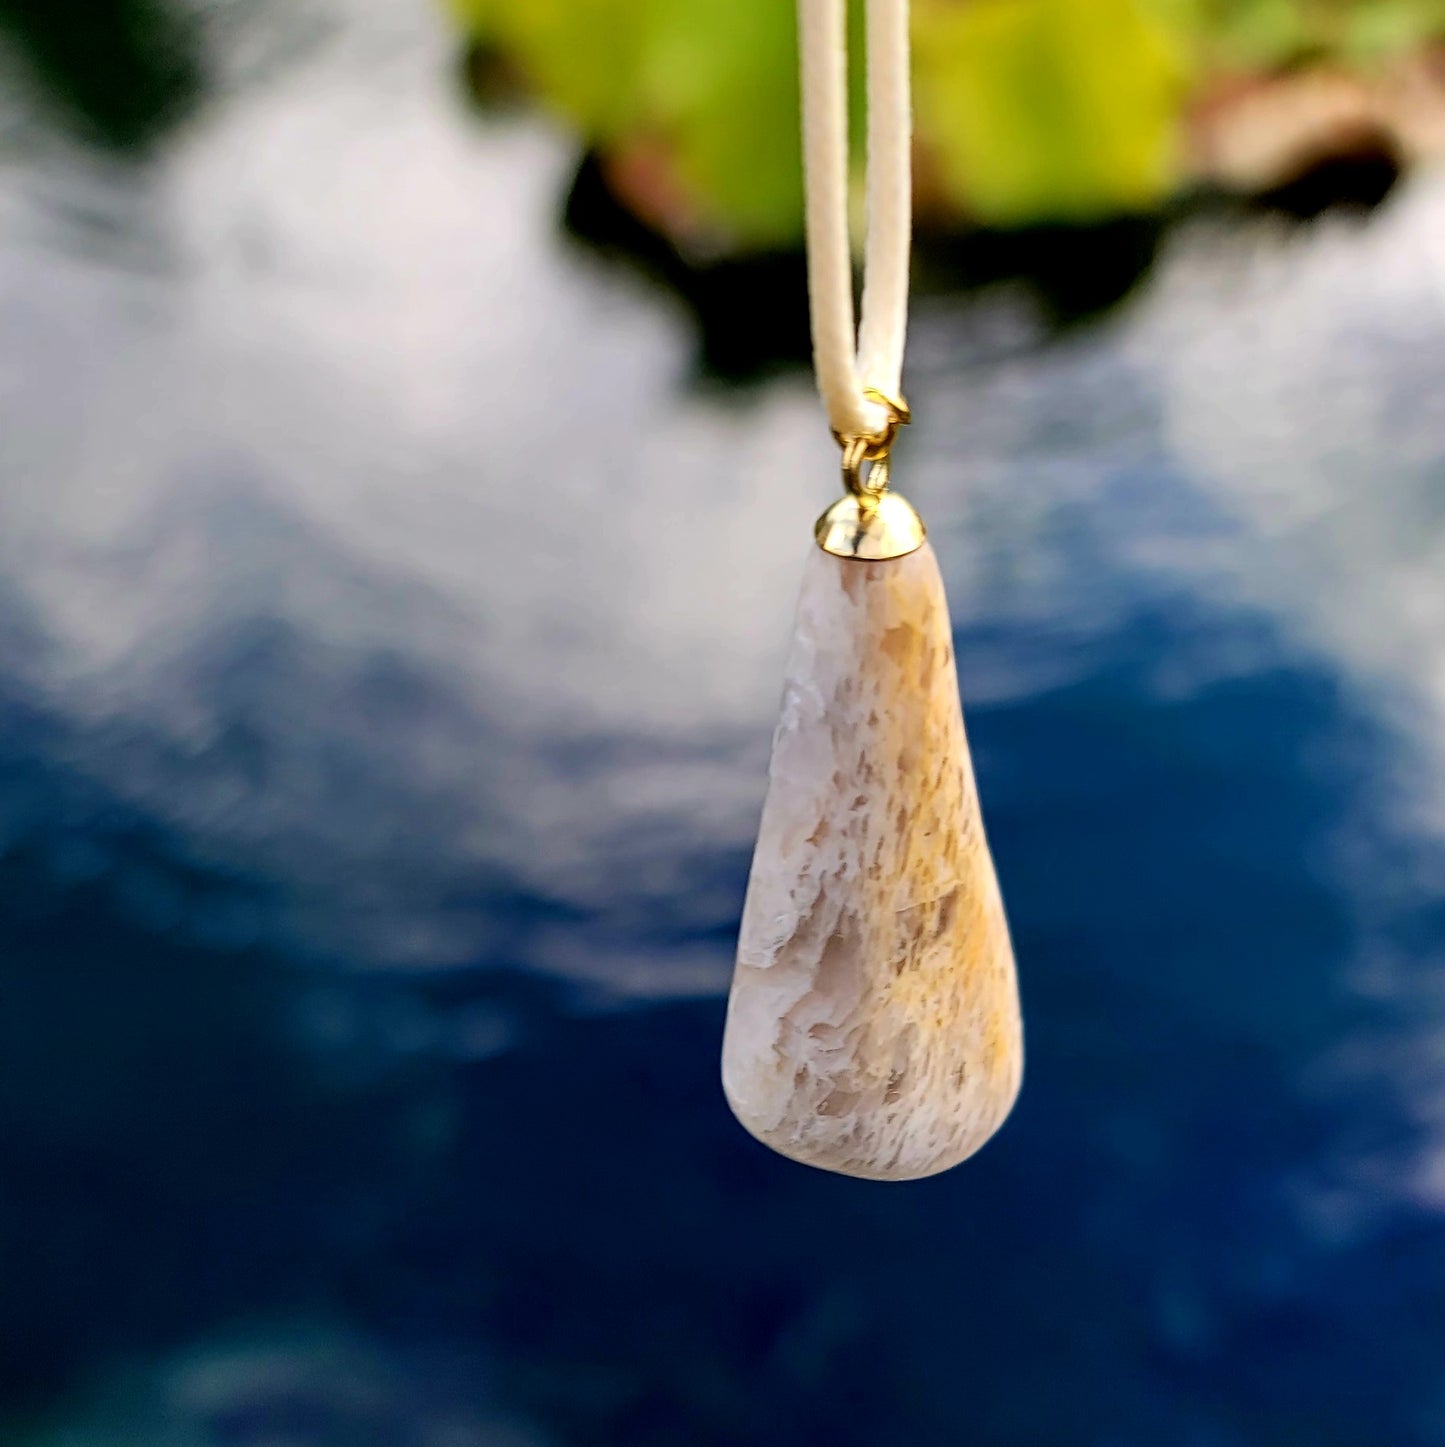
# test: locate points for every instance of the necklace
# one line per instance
(873, 1025)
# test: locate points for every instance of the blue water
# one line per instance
(390, 628)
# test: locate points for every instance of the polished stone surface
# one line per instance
(873, 1027)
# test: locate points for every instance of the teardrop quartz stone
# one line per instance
(873, 1026)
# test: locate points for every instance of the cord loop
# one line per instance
(848, 360)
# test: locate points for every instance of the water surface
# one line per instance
(391, 623)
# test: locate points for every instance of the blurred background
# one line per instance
(407, 458)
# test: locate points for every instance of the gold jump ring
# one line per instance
(872, 447)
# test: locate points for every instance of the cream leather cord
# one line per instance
(846, 364)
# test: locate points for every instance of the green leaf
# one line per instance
(723, 78)
(582, 57)
(1049, 109)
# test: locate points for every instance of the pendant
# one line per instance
(873, 1026)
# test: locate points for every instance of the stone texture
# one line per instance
(873, 1026)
